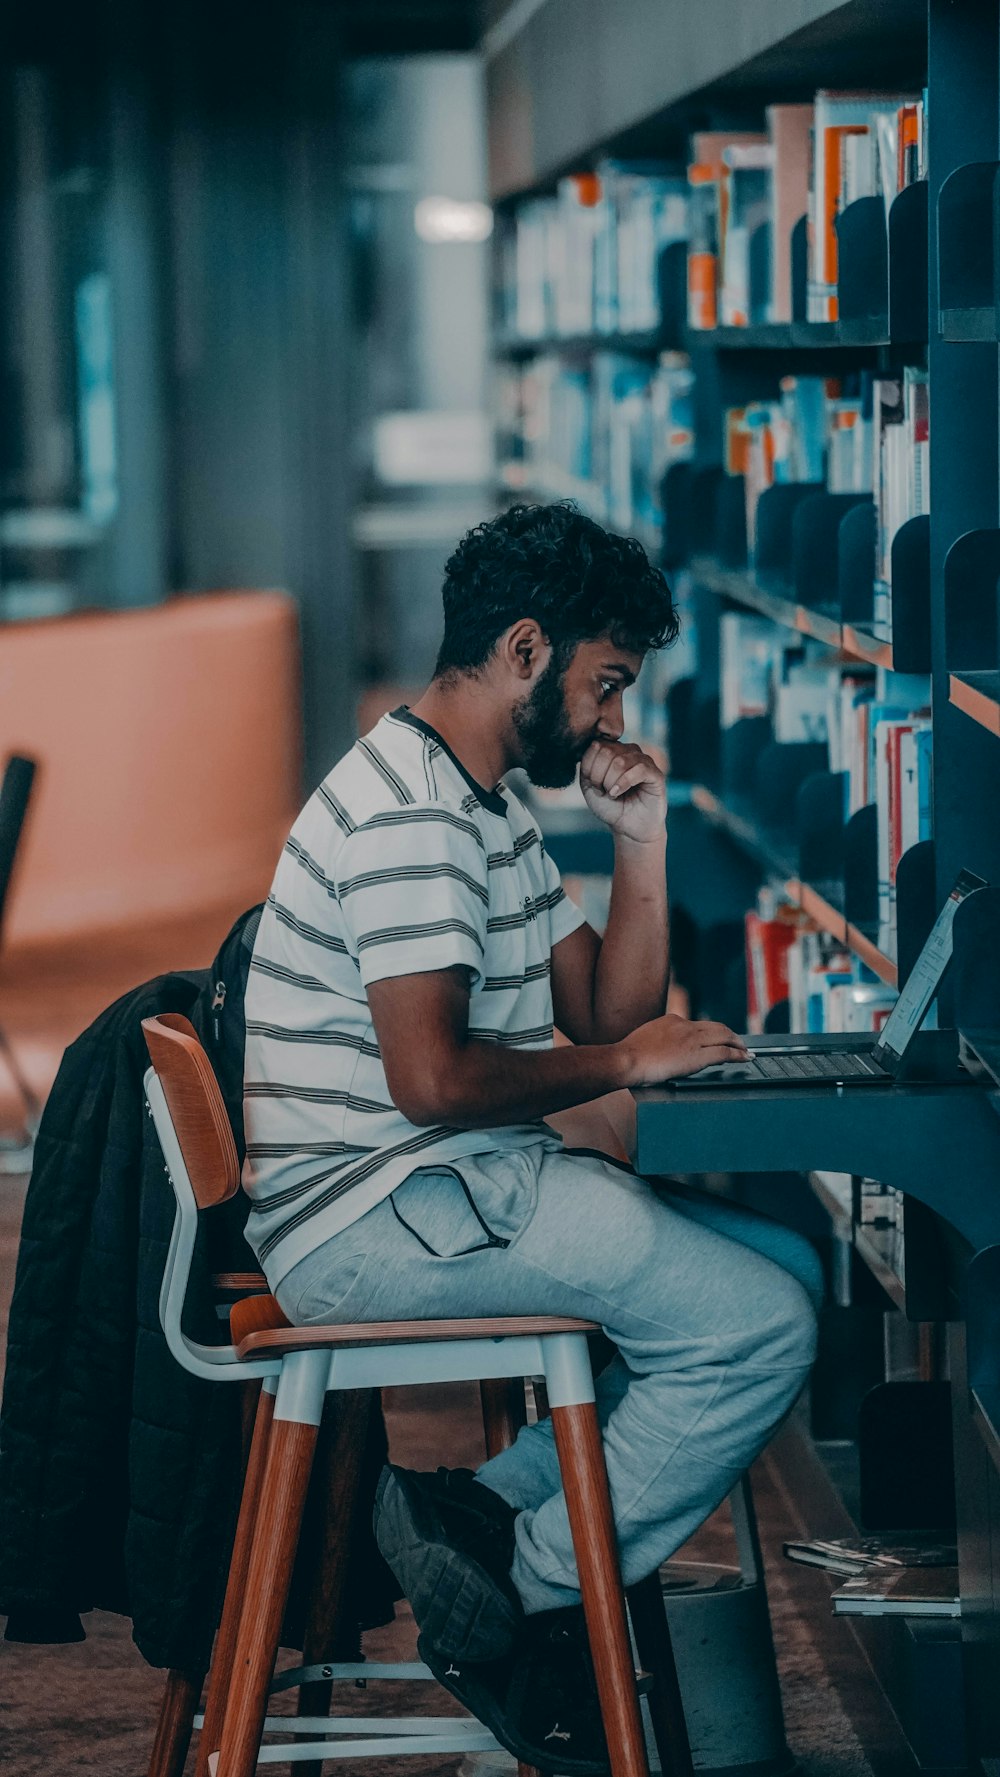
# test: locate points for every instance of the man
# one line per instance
(416, 949)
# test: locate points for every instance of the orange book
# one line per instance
(831, 205)
(737, 442)
(907, 146)
(703, 247)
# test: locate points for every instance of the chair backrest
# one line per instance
(196, 1107)
(15, 795)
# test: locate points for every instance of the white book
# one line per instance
(882, 732)
(749, 649)
(909, 788)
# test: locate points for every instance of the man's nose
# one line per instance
(611, 725)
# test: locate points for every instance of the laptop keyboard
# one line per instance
(829, 1066)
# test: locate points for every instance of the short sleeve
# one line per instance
(564, 914)
(413, 895)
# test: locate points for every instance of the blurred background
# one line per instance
(243, 325)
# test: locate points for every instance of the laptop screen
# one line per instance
(924, 978)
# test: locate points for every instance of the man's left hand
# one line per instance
(625, 789)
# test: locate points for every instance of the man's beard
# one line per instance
(550, 751)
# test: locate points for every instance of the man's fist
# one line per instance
(625, 789)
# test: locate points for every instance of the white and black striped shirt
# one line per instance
(399, 864)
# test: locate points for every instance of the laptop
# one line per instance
(849, 1061)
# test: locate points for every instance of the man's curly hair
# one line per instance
(551, 563)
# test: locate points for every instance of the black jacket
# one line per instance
(119, 1471)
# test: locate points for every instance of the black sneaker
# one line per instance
(553, 1693)
(540, 1703)
(450, 1543)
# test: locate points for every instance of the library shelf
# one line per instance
(969, 326)
(795, 336)
(774, 853)
(875, 959)
(744, 588)
(833, 1191)
(943, 622)
(768, 336)
(860, 645)
(985, 1045)
(881, 1251)
(986, 1419)
(821, 911)
(629, 345)
(977, 694)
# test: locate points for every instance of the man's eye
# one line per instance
(606, 688)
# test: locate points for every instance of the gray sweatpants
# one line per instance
(712, 1309)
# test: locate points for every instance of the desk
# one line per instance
(941, 1146)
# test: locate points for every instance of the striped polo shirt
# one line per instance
(399, 863)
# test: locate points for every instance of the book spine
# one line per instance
(909, 792)
(925, 746)
(883, 870)
(703, 249)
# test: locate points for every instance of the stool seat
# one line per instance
(258, 1328)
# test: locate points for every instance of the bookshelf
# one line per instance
(978, 696)
(918, 296)
(800, 555)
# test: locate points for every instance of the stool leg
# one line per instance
(221, 1668)
(279, 1516)
(656, 1655)
(174, 1724)
(585, 1482)
(340, 1460)
(504, 1412)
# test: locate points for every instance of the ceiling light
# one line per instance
(448, 219)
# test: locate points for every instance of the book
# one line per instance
(748, 650)
(746, 179)
(844, 167)
(789, 128)
(770, 932)
(602, 433)
(709, 219)
(586, 261)
(853, 1556)
(703, 249)
(909, 1592)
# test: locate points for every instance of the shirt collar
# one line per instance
(490, 799)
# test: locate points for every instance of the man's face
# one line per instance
(566, 711)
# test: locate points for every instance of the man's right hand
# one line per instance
(668, 1048)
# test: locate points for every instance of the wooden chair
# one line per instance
(297, 1367)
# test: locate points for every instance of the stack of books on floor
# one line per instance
(907, 1575)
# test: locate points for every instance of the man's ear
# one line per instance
(525, 650)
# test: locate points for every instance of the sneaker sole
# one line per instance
(460, 1607)
(464, 1683)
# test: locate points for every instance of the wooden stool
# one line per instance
(298, 1366)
